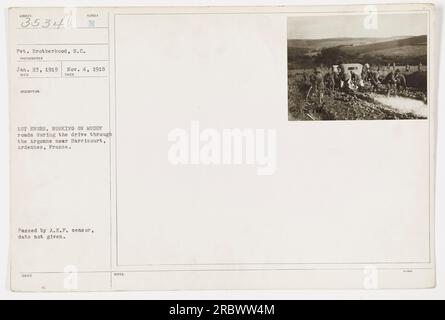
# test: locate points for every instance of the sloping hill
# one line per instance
(401, 50)
(414, 46)
(318, 44)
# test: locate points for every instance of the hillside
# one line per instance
(335, 42)
(406, 50)
(407, 46)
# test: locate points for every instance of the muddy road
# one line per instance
(359, 105)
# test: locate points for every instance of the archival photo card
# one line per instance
(183, 148)
(358, 67)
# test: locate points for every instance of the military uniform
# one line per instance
(390, 81)
(374, 78)
(401, 81)
(317, 85)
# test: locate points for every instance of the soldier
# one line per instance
(408, 68)
(390, 81)
(311, 83)
(329, 80)
(400, 81)
(317, 85)
(420, 66)
(353, 77)
(306, 83)
(336, 74)
(365, 72)
(343, 78)
(374, 78)
(355, 81)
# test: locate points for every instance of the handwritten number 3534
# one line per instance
(41, 23)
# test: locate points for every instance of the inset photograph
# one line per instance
(358, 67)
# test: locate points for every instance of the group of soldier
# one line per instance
(336, 78)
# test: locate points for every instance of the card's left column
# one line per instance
(59, 77)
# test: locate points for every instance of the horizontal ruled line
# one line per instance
(64, 77)
(53, 28)
(33, 61)
(62, 44)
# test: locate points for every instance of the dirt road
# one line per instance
(355, 105)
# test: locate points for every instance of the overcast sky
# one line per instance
(353, 26)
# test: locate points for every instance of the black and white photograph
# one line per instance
(358, 67)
